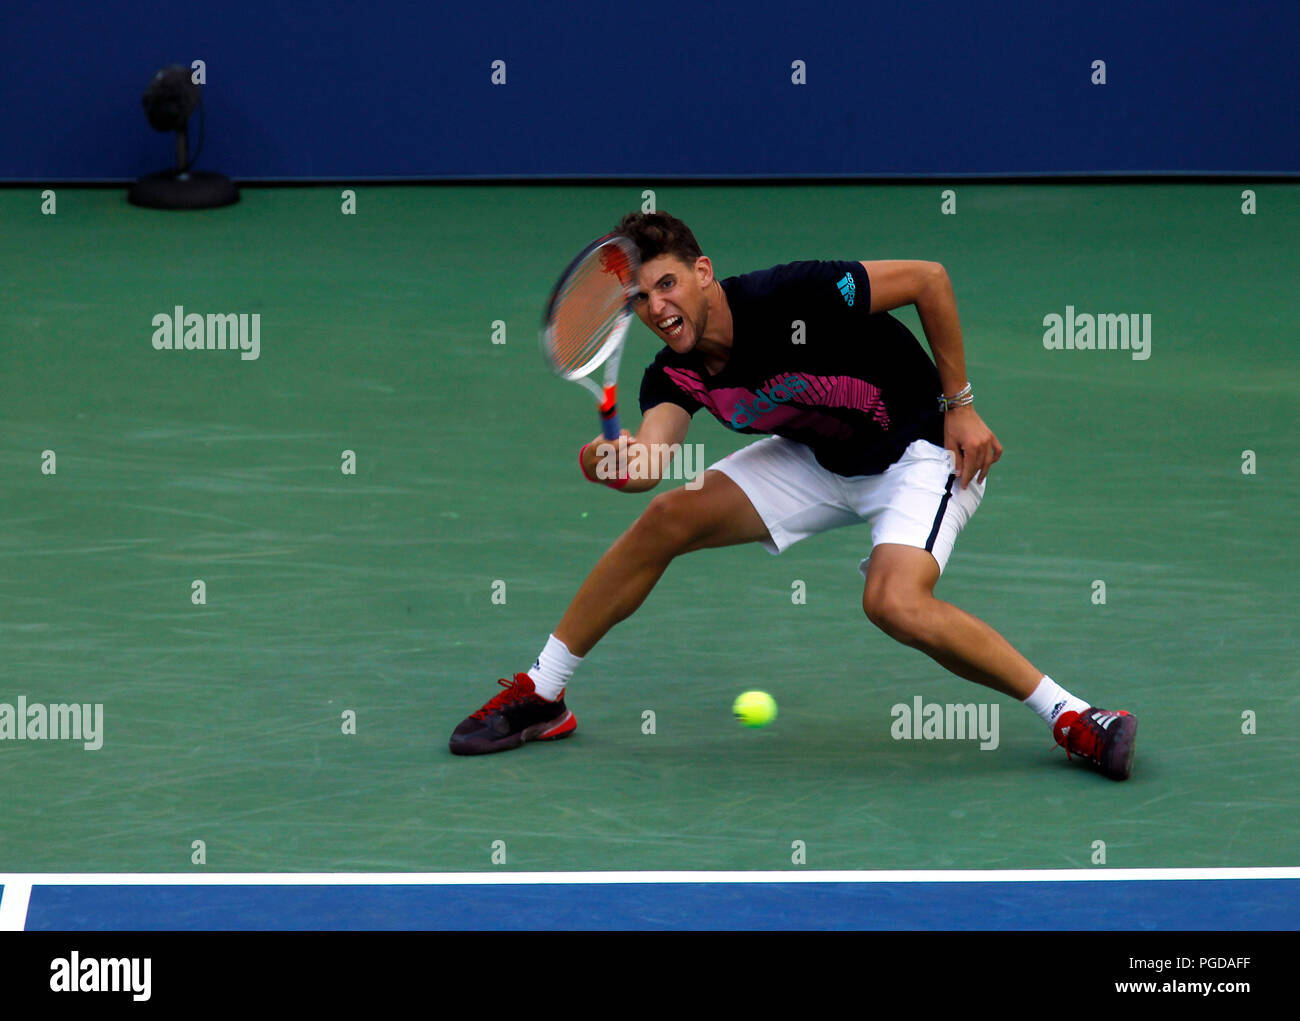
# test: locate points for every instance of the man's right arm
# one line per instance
(662, 427)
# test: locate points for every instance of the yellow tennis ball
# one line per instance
(755, 708)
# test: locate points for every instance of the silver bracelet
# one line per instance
(960, 399)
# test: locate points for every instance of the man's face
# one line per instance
(672, 299)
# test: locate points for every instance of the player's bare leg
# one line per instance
(676, 522)
(899, 599)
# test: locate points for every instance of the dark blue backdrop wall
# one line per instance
(400, 89)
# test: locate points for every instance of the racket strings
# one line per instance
(589, 307)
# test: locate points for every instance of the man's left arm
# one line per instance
(926, 285)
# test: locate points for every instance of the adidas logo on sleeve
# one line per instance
(847, 288)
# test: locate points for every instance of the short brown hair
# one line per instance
(656, 234)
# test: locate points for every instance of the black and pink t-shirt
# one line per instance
(811, 363)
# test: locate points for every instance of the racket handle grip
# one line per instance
(609, 426)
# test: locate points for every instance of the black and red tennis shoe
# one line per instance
(1101, 738)
(516, 715)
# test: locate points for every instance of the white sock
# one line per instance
(1049, 700)
(553, 668)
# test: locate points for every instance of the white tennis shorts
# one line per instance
(916, 501)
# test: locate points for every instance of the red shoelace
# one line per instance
(513, 693)
(1087, 736)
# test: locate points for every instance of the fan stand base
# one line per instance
(197, 189)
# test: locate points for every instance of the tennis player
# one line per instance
(859, 425)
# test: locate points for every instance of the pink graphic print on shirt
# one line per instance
(788, 400)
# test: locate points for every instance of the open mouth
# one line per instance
(672, 326)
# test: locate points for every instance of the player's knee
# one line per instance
(897, 612)
(667, 523)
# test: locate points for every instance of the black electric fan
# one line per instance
(170, 99)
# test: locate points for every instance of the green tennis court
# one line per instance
(407, 334)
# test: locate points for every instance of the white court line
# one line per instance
(13, 905)
(1098, 874)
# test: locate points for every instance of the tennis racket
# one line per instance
(587, 318)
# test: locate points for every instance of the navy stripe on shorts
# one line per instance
(938, 518)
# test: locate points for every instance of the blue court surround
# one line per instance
(535, 904)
